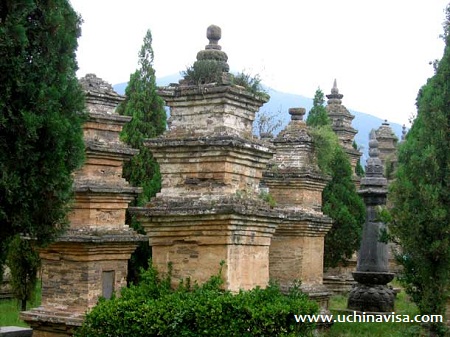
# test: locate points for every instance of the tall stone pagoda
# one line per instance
(208, 209)
(371, 293)
(90, 260)
(387, 147)
(296, 184)
(341, 120)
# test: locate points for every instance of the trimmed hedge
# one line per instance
(152, 308)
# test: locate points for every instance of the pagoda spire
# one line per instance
(335, 96)
(341, 120)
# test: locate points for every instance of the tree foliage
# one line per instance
(340, 201)
(23, 262)
(420, 195)
(318, 115)
(266, 123)
(146, 108)
(153, 308)
(203, 72)
(41, 104)
(149, 120)
(252, 83)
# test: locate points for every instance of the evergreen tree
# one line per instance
(23, 262)
(420, 195)
(340, 201)
(318, 114)
(148, 120)
(41, 104)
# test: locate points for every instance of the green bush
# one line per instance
(152, 308)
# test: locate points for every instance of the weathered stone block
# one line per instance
(195, 236)
(15, 331)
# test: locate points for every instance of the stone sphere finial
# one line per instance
(374, 167)
(213, 33)
(297, 113)
(373, 144)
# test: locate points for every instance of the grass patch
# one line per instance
(10, 309)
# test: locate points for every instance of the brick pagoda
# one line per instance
(208, 209)
(90, 259)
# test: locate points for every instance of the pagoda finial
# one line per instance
(213, 51)
(373, 144)
(297, 113)
(212, 61)
(335, 90)
(374, 167)
(335, 96)
(213, 33)
(403, 132)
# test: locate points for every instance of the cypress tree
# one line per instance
(340, 201)
(41, 104)
(148, 120)
(318, 116)
(23, 262)
(420, 195)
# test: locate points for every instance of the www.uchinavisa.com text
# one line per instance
(369, 318)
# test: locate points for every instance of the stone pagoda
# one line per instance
(90, 260)
(387, 147)
(209, 208)
(371, 293)
(341, 120)
(296, 184)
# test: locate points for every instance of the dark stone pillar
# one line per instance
(371, 293)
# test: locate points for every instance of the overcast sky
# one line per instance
(379, 51)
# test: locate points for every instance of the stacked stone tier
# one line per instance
(300, 187)
(209, 167)
(197, 235)
(234, 220)
(72, 272)
(211, 110)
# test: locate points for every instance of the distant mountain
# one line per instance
(280, 102)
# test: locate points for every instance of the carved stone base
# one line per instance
(52, 323)
(371, 298)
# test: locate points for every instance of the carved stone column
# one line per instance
(372, 293)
